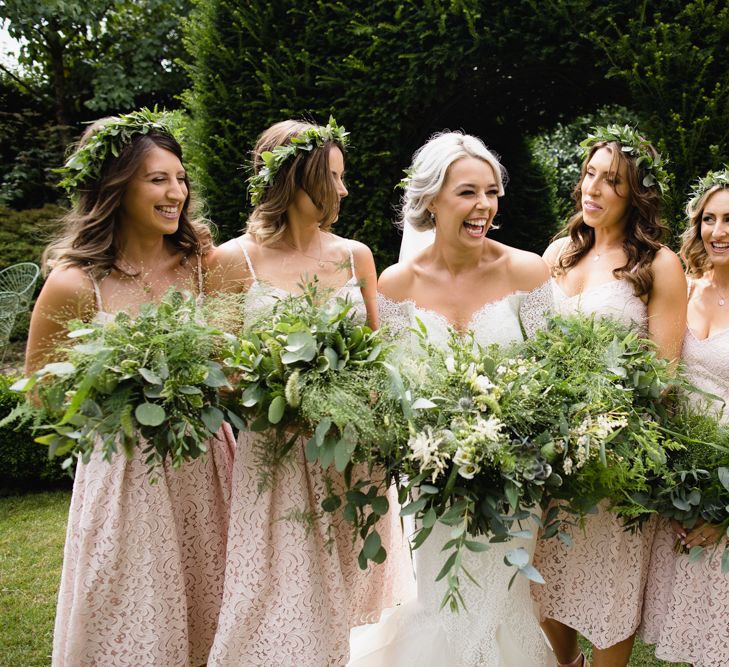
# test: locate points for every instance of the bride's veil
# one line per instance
(414, 241)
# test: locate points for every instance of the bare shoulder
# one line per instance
(554, 250)
(226, 268)
(666, 262)
(68, 286)
(396, 281)
(529, 267)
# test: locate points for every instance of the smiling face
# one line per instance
(715, 228)
(467, 202)
(155, 195)
(604, 190)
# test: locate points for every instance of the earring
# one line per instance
(432, 217)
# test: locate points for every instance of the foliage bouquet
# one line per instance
(149, 382)
(609, 429)
(696, 489)
(470, 461)
(309, 369)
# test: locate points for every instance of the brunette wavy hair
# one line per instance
(307, 170)
(89, 231)
(644, 231)
(693, 252)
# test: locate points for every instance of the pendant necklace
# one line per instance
(319, 260)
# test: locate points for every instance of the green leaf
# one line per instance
(518, 557)
(215, 376)
(413, 507)
(276, 409)
(473, 545)
(532, 573)
(212, 418)
(723, 477)
(429, 518)
(150, 414)
(380, 505)
(447, 566)
(150, 376)
(372, 545)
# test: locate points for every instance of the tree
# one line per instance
(674, 64)
(96, 55)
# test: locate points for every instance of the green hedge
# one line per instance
(24, 464)
(393, 72)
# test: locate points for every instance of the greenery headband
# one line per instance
(308, 140)
(85, 164)
(632, 143)
(703, 185)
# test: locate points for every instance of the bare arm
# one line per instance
(553, 251)
(67, 294)
(366, 272)
(667, 305)
(226, 269)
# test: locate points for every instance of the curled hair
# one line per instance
(308, 171)
(693, 252)
(643, 229)
(429, 170)
(89, 236)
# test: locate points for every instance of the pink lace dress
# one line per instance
(686, 612)
(293, 587)
(596, 585)
(143, 564)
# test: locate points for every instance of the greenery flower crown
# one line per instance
(653, 168)
(703, 185)
(308, 140)
(86, 162)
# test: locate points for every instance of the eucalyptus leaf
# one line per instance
(150, 414)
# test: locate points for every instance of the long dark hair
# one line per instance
(644, 231)
(89, 234)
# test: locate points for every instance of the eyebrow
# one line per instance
(164, 173)
(473, 185)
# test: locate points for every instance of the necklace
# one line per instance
(319, 260)
(722, 300)
(136, 276)
(598, 255)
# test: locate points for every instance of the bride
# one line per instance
(465, 281)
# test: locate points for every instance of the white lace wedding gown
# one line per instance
(499, 627)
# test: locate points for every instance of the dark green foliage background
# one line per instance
(393, 73)
(24, 464)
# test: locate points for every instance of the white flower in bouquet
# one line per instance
(450, 364)
(426, 449)
(464, 459)
(482, 384)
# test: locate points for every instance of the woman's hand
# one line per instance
(703, 535)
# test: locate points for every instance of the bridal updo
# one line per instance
(429, 169)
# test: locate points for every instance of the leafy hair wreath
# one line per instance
(86, 162)
(653, 168)
(704, 184)
(273, 160)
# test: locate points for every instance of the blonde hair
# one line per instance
(89, 231)
(429, 170)
(308, 171)
(693, 252)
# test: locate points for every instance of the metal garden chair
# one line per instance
(20, 279)
(8, 310)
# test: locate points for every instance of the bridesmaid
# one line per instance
(142, 577)
(686, 612)
(293, 589)
(611, 263)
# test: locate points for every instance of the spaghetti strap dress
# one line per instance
(686, 611)
(293, 586)
(596, 585)
(143, 564)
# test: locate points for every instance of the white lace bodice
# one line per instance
(498, 628)
(501, 322)
(613, 299)
(262, 296)
(707, 366)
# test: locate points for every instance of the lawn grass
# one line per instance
(32, 531)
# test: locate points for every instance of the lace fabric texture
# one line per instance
(499, 627)
(686, 612)
(596, 585)
(293, 586)
(143, 566)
